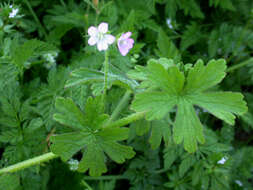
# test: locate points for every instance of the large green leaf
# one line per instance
(167, 88)
(89, 135)
(166, 47)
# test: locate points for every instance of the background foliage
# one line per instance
(40, 50)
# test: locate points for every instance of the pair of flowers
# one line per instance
(99, 36)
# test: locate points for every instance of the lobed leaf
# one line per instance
(89, 135)
(167, 87)
(87, 76)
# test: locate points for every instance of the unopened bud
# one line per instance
(95, 3)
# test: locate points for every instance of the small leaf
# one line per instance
(186, 164)
(169, 155)
(166, 47)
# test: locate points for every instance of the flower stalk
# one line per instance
(36, 18)
(106, 70)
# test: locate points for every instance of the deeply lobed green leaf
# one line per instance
(168, 87)
(89, 135)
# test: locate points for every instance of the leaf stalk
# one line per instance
(120, 106)
(28, 163)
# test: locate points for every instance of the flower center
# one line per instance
(100, 36)
(123, 42)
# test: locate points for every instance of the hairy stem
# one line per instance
(161, 170)
(242, 64)
(108, 177)
(28, 163)
(120, 106)
(36, 18)
(106, 70)
(126, 120)
(86, 185)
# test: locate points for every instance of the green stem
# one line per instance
(63, 4)
(106, 70)
(242, 64)
(108, 177)
(126, 120)
(86, 185)
(28, 163)
(120, 106)
(35, 17)
(161, 170)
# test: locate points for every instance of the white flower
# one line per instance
(223, 160)
(14, 12)
(168, 21)
(238, 182)
(98, 35)
(73, 164)
(50, 57)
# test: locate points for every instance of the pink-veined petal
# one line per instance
(92, 31)
(131, 41)
(102, 45)
(103, 27)
(92, 41)
(123, 51)
(109, 38)
(126, 35)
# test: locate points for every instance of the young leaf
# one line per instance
(191, 36)
(90, 135)
(30, 49)
(85, 75)
(186, 164)
(166, 47)
(168, 88)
